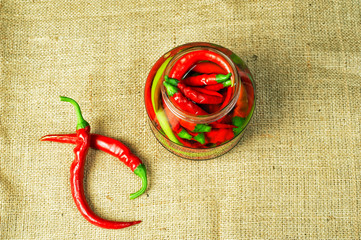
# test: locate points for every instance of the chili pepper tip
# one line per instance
(142, 173)
(81, 122)
(47, 138)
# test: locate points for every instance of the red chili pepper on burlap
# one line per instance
(196, 96)
(206, 79)
(77, 173)
(112, 147)
(182, 102)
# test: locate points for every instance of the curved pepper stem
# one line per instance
(81, 122)
(141, 172)
(171, 90)
(171, 81)
(227, 83)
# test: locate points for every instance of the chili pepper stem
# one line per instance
(171, 81)
(200, 138)
(227, 83)
(222, 78)
(81, 122)
(141, 172)
(171, 90)
(202, 128)
(239, 123)
(184, 134)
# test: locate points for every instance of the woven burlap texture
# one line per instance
(294, 175)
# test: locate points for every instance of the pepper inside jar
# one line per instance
(199, 98)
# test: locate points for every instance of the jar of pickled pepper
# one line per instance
(200, 98)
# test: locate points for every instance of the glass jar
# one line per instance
(193, 114)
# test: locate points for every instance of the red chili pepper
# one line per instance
(244, 104)
(112, 147)
(184, 142)
(190, 144)
(206, 79)
(206, 91)
(199, 137)
(197, 97)
(177, 124)
(148, 87)
(184, 64)
(193, 127)
(174, 123)
(77, 173)
(181, 134)
(219, 86)
(222, 125)
(246, 99)
(227, 97)
(249, 88)
(226, 119)
(241, 107)
(219, 135)
(208, 67)
(212, 108)
(182, 102)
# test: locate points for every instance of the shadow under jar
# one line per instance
(200, 98)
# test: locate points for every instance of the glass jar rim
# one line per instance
(202, 119)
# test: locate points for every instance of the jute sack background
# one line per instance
(294, 175)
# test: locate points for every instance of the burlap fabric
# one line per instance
(294, 175)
